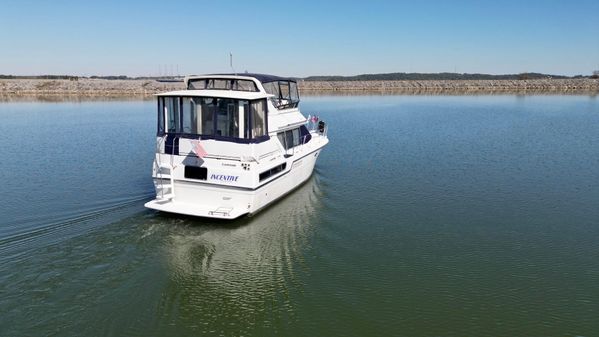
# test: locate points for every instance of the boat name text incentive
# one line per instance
(223, 177)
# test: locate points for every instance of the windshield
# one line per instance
(285, 92)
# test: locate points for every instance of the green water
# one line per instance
(426, 216)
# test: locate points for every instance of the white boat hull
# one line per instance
(229, 202)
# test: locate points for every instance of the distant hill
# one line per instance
(433, 76)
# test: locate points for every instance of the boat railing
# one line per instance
(223, 157)
(320, 128)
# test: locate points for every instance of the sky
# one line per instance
(298, 38)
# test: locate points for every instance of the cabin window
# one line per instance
(207, 114)
(227, 118)
(212, 117)
(294, 137)
(245, 85)
(289, 139)
(220, 84)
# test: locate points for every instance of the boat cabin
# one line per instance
(229, 108)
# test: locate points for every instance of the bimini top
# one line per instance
(263, 78)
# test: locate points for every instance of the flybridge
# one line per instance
(284, 90)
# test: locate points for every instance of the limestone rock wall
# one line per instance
(109, 88)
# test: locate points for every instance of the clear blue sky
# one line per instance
(298, 38)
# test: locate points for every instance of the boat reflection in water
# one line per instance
(217, 270)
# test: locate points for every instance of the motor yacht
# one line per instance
(229, 145)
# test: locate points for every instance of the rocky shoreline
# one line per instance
(583, 85)
(85, 87)
(128, 88)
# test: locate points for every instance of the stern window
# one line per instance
(212, 117)
(172, 113)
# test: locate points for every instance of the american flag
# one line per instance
(198, 149)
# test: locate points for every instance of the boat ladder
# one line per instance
(162, 176)
(170, 186)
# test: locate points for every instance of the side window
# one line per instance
(290, 138)
(258, 118)
(304, 134)
(244, 85)
(160, 116)
(296, 137)
(272, 88)
(281, 136)
(197, 84)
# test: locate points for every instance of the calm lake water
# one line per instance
(426, 216)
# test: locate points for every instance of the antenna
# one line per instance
(231, 62)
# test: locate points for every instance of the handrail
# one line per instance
(158, 164)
